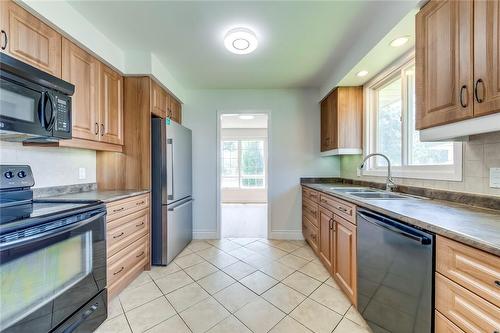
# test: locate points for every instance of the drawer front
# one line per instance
(311, 233)
(311, 210)
(473, 269)
(126, 230)
(339, 207)
(310, 194)
(468, 311)
(443, 325)
(136, 254)
(127, 206)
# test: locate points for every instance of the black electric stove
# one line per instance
(52, 260)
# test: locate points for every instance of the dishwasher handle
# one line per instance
(393, 226)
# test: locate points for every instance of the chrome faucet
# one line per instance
(389, 183)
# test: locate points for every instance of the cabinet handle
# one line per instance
(140, 224)
(118, 210)
(342, 209)
(479, 100)
(139, 203)
(118, 236)
(119, 271)
(330, 223)
(497, 283)
(462, 103)
(102, 129)
(140, 255)
(6, 39)
(96, 128)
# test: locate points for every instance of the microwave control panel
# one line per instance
(63, 112)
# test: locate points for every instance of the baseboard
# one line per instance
(205, 235)
(286, 234)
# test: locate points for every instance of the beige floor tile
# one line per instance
(316, 271)
(331, 282)
(204, 315)
(283, 297)
(347, 326)
(200, 270)
(299, 243)
(235, 297)
(142, 279)
(270, 252)
(331, 298)
(354, 316)
(150, 314)
(276, 270)
(187, 296)
(316, 317)
(172, 325)
(173, 281)
(259, 315)
(157, 272)
(118, 324)
(287, 246)
(188, 260)
(114, 308)
(239, 270)
(227, 245)
(184, 252)
(305, 252)
(271, 241)
(132, 298)
(257, 260)
(198, 245)
(258, 282)
(216, 282)
(229, 325)
(293, 261)
(289, 325)
(241, 253)
(222, 260)
(210, 252)
(302, 283)
(244, 241)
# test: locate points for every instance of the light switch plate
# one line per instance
(82, 174)
(495, 177)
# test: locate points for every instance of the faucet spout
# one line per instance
(389, 183)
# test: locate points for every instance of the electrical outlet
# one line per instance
(495, 177)
(82, 173)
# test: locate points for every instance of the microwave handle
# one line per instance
(46, 103)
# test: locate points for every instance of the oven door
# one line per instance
(50, 271)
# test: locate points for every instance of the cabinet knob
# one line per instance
(5, 40)
(476, 94)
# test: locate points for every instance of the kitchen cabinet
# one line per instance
(310, 214)
(25, 37)
(326, 238)
(342, 121)
(111, 106)
(344, 264)
(175, 110)
(159, 100)
(457, 67)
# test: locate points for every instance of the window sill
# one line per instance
(430, 172)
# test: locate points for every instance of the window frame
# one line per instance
(451, 172)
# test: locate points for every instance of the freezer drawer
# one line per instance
(179, 227)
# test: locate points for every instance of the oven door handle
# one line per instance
(52, 233)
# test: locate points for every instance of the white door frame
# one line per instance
(268, 167)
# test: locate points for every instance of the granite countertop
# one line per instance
(100, 195)
(477, 227)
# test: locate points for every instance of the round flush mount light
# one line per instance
(362, 73)
(246, 117)
(400, 41)
(240, 41)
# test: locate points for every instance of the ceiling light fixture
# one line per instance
(362, 73)
(400, 41)
(240, 41)
(246, 117)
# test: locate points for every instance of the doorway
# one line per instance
(243, 175)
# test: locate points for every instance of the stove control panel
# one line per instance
(16, 176)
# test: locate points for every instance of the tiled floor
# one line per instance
(232, 286)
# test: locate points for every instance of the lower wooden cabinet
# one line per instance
(344, 265)
(128, 241)
(443, 325)
(326, 238)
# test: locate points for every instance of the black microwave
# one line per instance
(34, 105)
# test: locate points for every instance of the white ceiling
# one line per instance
(299, 41)
(234, 121)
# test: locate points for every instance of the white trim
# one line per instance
(342, 151)
(218, 175)
(286, 234)
(205, 235)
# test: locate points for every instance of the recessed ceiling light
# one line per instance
(362, 73)
(240, 41)
(400, 41)
(246, 117)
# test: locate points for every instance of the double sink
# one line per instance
(367, 193)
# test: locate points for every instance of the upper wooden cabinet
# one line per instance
(175, 110)
(342, 121)
(111, 105)
(159, 100)
(26, 38)
(457, 66)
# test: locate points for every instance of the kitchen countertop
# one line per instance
(477, 227)
(100, 195)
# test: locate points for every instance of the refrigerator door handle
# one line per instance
(170, 182)
(180, 204)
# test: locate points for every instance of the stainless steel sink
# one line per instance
(352, 190)
(376, 195)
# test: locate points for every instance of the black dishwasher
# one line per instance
(395, 274)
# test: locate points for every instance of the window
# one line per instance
(390, 130)
(243, 164)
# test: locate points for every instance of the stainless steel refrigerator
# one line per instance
(172, 215)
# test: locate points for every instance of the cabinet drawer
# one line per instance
(127, 206)
(126, 230)
(311, 233)
(443, 325)
(339, 207)
(310, 194)
(311, 210)
(473, 269)
(136, 254)
(468, 311)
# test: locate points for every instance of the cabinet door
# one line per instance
(486, 57)
(82, 70)
(325, 122)
(111, 107)
(158, 100)
(175, 110)
(326, 237)
(443, 55)
(333, 106)
(344, 265)
(28, 39)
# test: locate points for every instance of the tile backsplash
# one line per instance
(481, 153)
